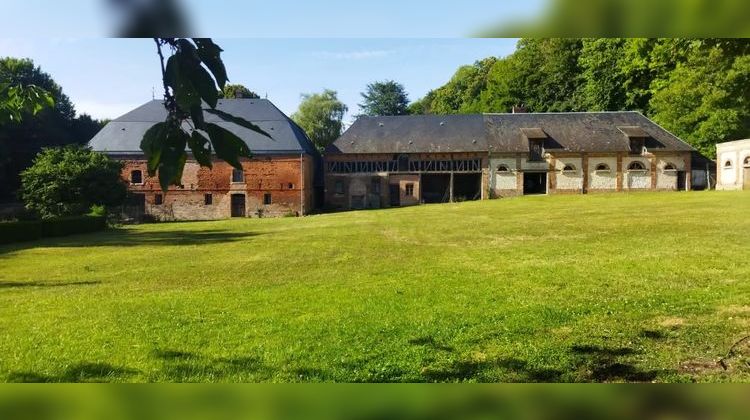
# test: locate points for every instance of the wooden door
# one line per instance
(238, 205)
(394, 191)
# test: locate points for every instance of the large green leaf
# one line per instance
(239, 121)
(201, 148)
(210, 54)
(196, 114)
(204, 85)
(228, 146)
(152, 144)
(173, 156)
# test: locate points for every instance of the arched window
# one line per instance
(747, 162)
(669, 167)
(569, 168)
(503, 169)
(403, 163)
(136, 177)
(728, 164)
(602, 167)
(636, 166)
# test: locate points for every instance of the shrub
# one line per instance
(68, 181)
(28, 231)
(20, 231)
(72, 225)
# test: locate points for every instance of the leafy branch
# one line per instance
(192, 76)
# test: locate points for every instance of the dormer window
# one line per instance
(503, 169)
(637, 145)
(746, 163)
(728, 164)
(536, 150)
(669, 167)
(602, 167)
(568, 168)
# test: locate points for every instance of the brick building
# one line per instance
(405, 160)
(280, 179)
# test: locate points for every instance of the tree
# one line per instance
(190, 78)
(238, 91)
(321, 115)
(385, 98)
(70, 180)
(31, 126)
(422, 106)
(705, 100)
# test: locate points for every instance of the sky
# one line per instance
(107, 77)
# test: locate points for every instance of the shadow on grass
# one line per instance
(83, 372)
(127, 237)
(182, 366)
(429, 341)
(43, 284)
(588, 363)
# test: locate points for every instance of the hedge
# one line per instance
(29, 231)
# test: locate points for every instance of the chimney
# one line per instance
(519, 109)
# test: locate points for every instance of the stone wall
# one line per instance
(733, 165)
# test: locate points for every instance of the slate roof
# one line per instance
(563, 132)
(123, 135)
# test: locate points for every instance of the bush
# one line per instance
(20, 231)
(28, 231)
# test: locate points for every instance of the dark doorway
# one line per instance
(681, 182)
(135, 206)
(534, 183)
(394, 191)
(238, 205)
(436, 188)
(467, 187)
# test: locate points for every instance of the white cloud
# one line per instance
(100, 110)
(353, 55)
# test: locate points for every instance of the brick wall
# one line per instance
(288, 179)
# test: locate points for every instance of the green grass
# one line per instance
(617, 287)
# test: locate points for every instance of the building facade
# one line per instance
(280, 179)
(733, 161)
(406, 160)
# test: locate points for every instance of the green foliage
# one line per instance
(321, 115)
(238, 91)
(694, 87)
(68, 181)
(385, 98)
(26, 129)
(11, 232)
(193, 74)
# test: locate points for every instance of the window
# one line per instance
(669, 168)
(339, 187)
(602, 167)
(136, 177)
(290, 186)
(503, 169)
(728, 164)
(208, 199)
(409, 190)
(636, 145)
(238, 175)
(636, 166)
(158, 199)
(747, 162)
(536, 150)
(267, 198)
(569, 168)
(403, 163)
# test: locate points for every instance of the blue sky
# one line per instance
(106, 77)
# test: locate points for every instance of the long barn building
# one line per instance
(405, 160)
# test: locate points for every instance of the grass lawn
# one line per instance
(616, 287)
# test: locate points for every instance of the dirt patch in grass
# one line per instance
(671, 322)
(700, 367)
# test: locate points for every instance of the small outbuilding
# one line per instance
(733, 165)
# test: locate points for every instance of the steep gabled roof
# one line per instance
(123, 135)
(564, 132)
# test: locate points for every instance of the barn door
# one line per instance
(394, 191)
(238, 205)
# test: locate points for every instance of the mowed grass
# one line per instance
(617, 287)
